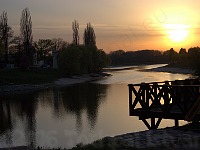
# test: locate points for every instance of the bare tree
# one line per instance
(59, 44)
(26, 32)
(75, 28)
(89, 35)
(5, 33)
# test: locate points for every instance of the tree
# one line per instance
(183, 58)
(59, 44)
(43, 46)
(26, 32)
(16, 45)
(82, 59)
(69, 60)
(172, 56)
(5, 33)
(75, 28)
(102, 60)
(182, 51)
(89, 35)
(194, 55)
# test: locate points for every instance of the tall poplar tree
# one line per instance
(75, 28)
(26, 32)
(89, 36)
(5, 33)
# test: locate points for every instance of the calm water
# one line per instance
(82, 113)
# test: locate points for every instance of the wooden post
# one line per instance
(176, 122)
(153, 124)
(147, 87)
(130, 98)
(166, 99)
(143, 92)
(147, 124)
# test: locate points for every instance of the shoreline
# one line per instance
(80, 79)
(167, 68)
(60, 82)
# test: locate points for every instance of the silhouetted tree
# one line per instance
(16, 45)
(102, 60)
(59, 44)
(183, 58)
(171, 57)
(43, 46)
(89, 35)
(182, 51)
(75, 28)
(194, 55)
(82, 59)
(5, 33)
(121, 57)
(69, 60)
(26, 32)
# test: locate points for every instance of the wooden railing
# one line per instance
(177, 99)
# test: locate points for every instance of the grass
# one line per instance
(38, 76)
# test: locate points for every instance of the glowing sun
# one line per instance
(177, 32)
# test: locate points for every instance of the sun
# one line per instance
(177, 32)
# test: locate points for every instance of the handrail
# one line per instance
(138, 84)
(150, 95)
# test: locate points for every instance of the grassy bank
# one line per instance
(37, 76)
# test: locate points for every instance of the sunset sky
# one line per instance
(118, 24)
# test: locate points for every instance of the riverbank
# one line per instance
(80, 79)
(60, 82)
(171, 69)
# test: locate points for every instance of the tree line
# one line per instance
(184, 58)
(120, 57)
(73, 57)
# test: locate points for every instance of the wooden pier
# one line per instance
(177, 100)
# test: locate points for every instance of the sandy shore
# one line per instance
(171, 70)
(79, 79)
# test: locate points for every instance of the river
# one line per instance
(81, 113)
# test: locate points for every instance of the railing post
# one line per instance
(166, 99)
(176, 122)
(147, 88)
(130, 98)
(143, 85)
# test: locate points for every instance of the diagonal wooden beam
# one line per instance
(147, 124)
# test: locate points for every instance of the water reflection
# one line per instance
(83, 97)
(18, 106)
(74, 100)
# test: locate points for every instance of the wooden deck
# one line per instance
(177, 100)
